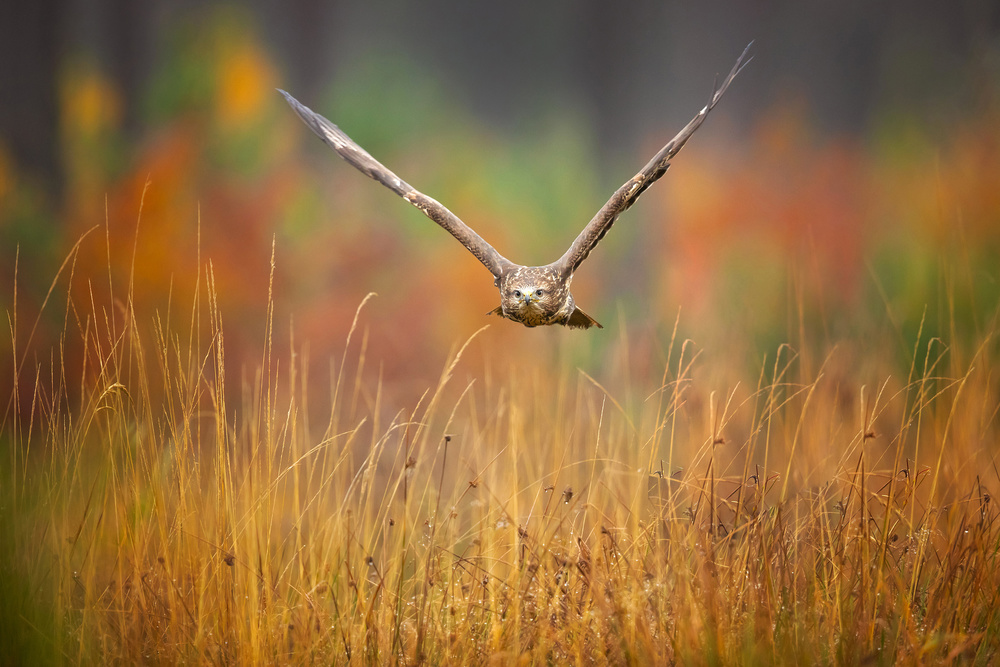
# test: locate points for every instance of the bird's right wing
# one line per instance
(359, 158)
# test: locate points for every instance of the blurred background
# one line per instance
(847, 185)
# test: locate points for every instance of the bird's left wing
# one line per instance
(359, 158)
(627, 194)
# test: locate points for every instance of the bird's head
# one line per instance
(533, 295)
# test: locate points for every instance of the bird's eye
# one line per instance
(517, 294)
(538, 292)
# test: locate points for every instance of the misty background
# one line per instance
(846, 182)
(625, 67)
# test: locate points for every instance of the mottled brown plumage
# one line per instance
(531, 295)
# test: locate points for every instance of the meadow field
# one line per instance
(216, 447)
(697, 506)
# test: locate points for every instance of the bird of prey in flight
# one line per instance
(531, 295)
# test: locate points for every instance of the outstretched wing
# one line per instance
(626, 195)
(359, 158)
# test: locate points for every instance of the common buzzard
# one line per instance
(531, 295)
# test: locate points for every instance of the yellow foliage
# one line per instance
(90, 102)
(246, 81)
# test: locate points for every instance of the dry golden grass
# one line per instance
(529, 514)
